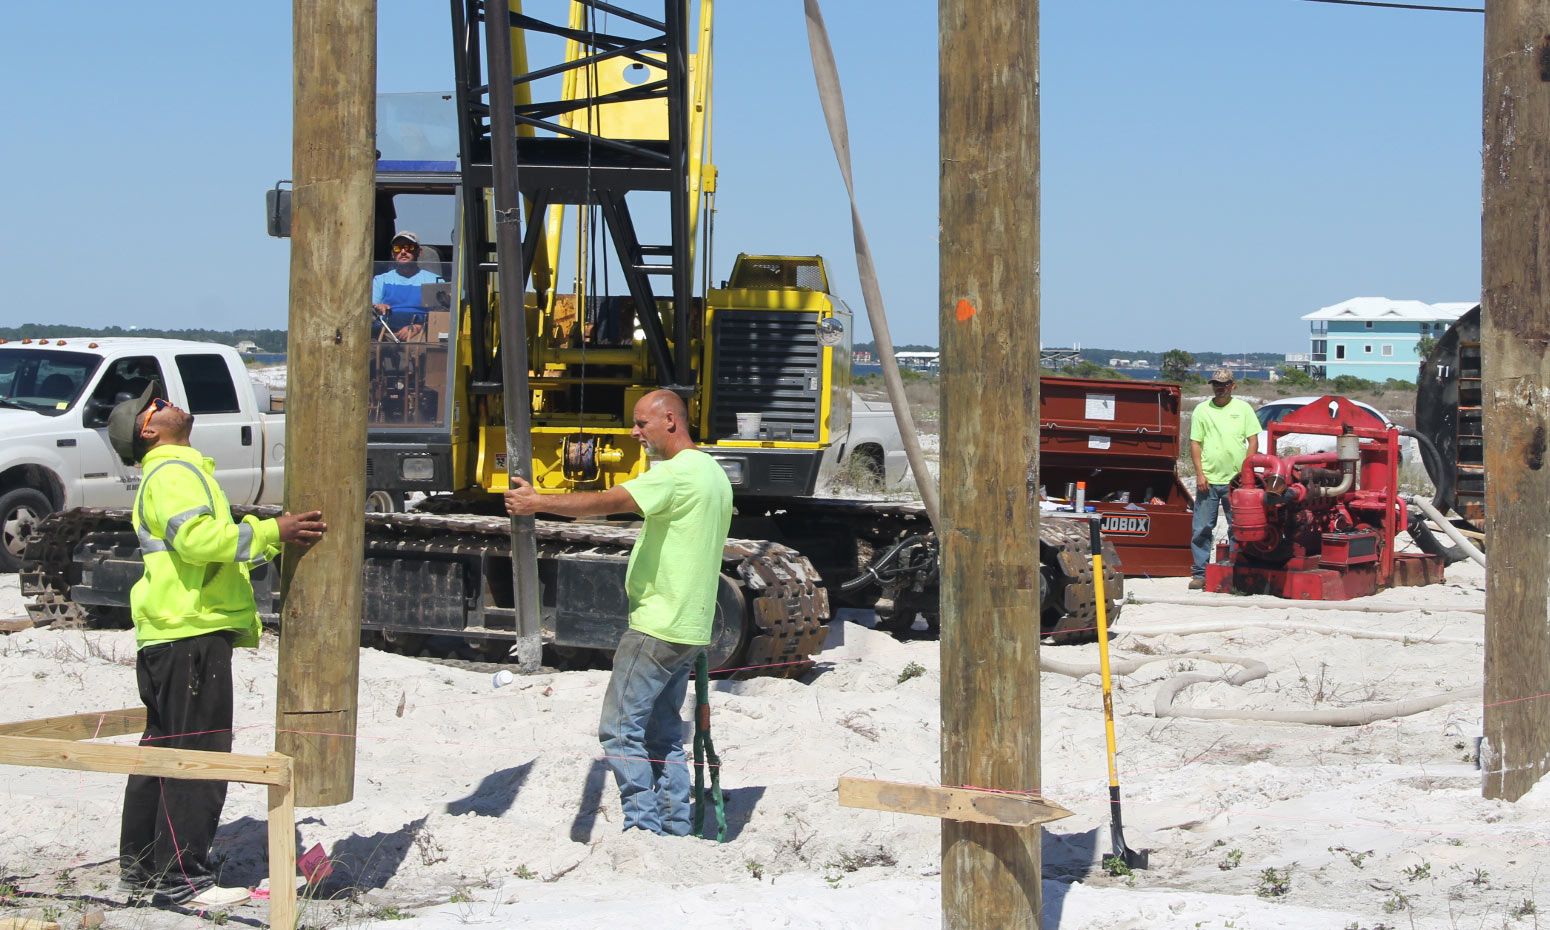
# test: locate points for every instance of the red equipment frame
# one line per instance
(1297, 536)
(1122, 438)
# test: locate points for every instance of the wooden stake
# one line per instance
(1515, 355)
(989, 217)
(1014, 810)
(282, 855)
(334, 163)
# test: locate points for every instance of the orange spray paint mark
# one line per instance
(965, 310)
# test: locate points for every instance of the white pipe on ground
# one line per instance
(1425, 506)
(1228, 600)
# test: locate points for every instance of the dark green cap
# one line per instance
(124, 425)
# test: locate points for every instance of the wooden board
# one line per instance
(27, 923)
(144, 760)
(96, 725)
(960, 804)
(16, 625)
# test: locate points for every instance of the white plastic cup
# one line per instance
(502, 678)
(748, 425)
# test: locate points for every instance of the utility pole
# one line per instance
(333, 166)
(989, 217)
(1515, 337)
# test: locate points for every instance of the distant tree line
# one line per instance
(1152, 359)
(267, 340)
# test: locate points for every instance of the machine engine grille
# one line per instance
(769, 363)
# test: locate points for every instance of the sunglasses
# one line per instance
(1219, 383)
(406, 249)
(156, 404)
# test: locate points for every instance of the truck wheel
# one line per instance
(865, 466)
(382, 502)
(20, 508)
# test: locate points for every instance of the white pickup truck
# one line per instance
(873, 446)
(55, 396)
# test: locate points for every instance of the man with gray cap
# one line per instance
(1221, 432)
(192, 605)
(396, 294)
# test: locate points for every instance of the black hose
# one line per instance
(1442, 499)
(1442, 479)
(870, 574)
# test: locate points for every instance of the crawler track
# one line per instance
(786, 605)
(842, 536)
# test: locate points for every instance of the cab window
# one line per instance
(125, 379)
(207, 382)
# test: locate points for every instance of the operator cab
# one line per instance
(413, 349)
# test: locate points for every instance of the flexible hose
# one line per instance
(1281, 604)
(883, 561)
(1250, 670)
(1234, 626)
(1459, 539)
(1442, 479)
(827, 76)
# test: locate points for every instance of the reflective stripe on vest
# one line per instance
(149, 543)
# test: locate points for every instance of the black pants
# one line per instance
(169, 823)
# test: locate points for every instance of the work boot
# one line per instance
(1197, 584)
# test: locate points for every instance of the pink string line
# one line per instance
(177, 848)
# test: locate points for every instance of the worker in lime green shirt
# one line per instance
(192, 605)
(673, 576)
(1221, 432)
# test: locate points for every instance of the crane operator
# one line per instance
(396, 295)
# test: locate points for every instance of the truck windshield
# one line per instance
(44, 380)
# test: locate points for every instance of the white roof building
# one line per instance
(1376, 309)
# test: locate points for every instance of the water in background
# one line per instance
(1139, 374)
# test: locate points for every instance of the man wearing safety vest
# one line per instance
(191, 607)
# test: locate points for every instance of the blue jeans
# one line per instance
(642, 733)
(1206, 507)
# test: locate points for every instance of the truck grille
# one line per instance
(767, 363)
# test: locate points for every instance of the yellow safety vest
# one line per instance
(196, 557)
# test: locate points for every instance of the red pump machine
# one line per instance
(1320, 527)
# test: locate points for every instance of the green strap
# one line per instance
(705, 753)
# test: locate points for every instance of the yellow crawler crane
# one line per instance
(609, 141)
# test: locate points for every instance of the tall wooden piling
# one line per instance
(333, 165)
(989, 203)
(1515, 354)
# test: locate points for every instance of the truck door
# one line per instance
(223, 429)
(105, 480)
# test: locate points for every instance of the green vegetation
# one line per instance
(267, 340)
(1296, 377)
(912, 670)
(1115, 866)
(1176, 365)
(1273, 883)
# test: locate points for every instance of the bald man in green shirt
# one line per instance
(673, 576)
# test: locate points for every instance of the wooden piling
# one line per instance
(334, 163)
(989, 290)
(1515, 355)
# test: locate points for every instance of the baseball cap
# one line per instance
(124, 425)
(1223, 375)
(407, 237)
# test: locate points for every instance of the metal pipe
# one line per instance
(512, 275)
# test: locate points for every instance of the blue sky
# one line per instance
(1213, 169)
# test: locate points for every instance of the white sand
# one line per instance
(490, 807)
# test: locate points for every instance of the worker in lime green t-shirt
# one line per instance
(1221, 431)
(672, 580)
